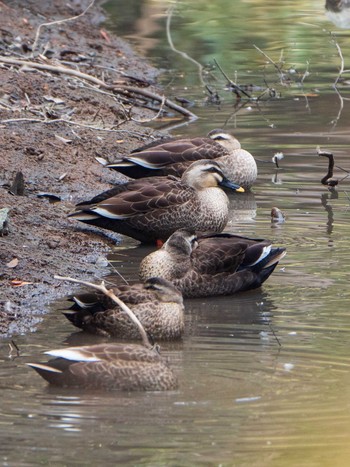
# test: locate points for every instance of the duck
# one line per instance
(209, 265)
(156, 303)
(107, 366)
(172, 156)
(151, 209)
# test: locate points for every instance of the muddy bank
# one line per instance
(55, 157)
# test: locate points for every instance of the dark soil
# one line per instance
(57, 158)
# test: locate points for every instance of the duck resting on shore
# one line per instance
(151, 209)
(174, 155)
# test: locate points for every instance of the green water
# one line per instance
(264, 375)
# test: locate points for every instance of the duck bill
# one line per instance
(232, 186)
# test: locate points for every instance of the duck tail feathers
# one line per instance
(271, 259)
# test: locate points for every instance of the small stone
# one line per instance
(53, 242)
(4, 221)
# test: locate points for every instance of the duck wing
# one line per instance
(171, 152)
(226, 253)
(108, 366)
(141, 197)
(107, 353)
(252, 276)
(186, 150)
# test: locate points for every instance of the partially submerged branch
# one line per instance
(237, 89)
(278, 68)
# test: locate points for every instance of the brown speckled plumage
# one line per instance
(125, 367)
(156, 303)
(173, 156)
(220, 264)
(153, 208)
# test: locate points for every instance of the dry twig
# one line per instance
(60, 21)
(342, 63)
(234, 86)
(278, 68)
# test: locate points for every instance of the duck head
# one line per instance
(226, 140)
(164, 290)
(207, 174)
(182, 242)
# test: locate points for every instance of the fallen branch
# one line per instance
(109, 293)
(121, 89)
(69, 122)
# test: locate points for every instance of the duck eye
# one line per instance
(220, 137)
(212, 169)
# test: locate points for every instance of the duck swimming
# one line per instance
(173, 156)
(220, 264)
(157, 304)
(151, 209)
(125, 367)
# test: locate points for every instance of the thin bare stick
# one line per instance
(13, 346)
(183, 54)
(126, 90)
(58, 22)
(109, 293)
(275, 335)
(147, 120)
(279, 70)
(58, 120)
(55, 69)
(341, 71)
(71, 122)
(121, 89)
(230, 82)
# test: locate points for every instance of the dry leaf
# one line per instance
(105, 35)
(13, 263)
(56, 100)
(64, 140)
(19, 283)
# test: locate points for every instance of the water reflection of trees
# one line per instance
(231, 316)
